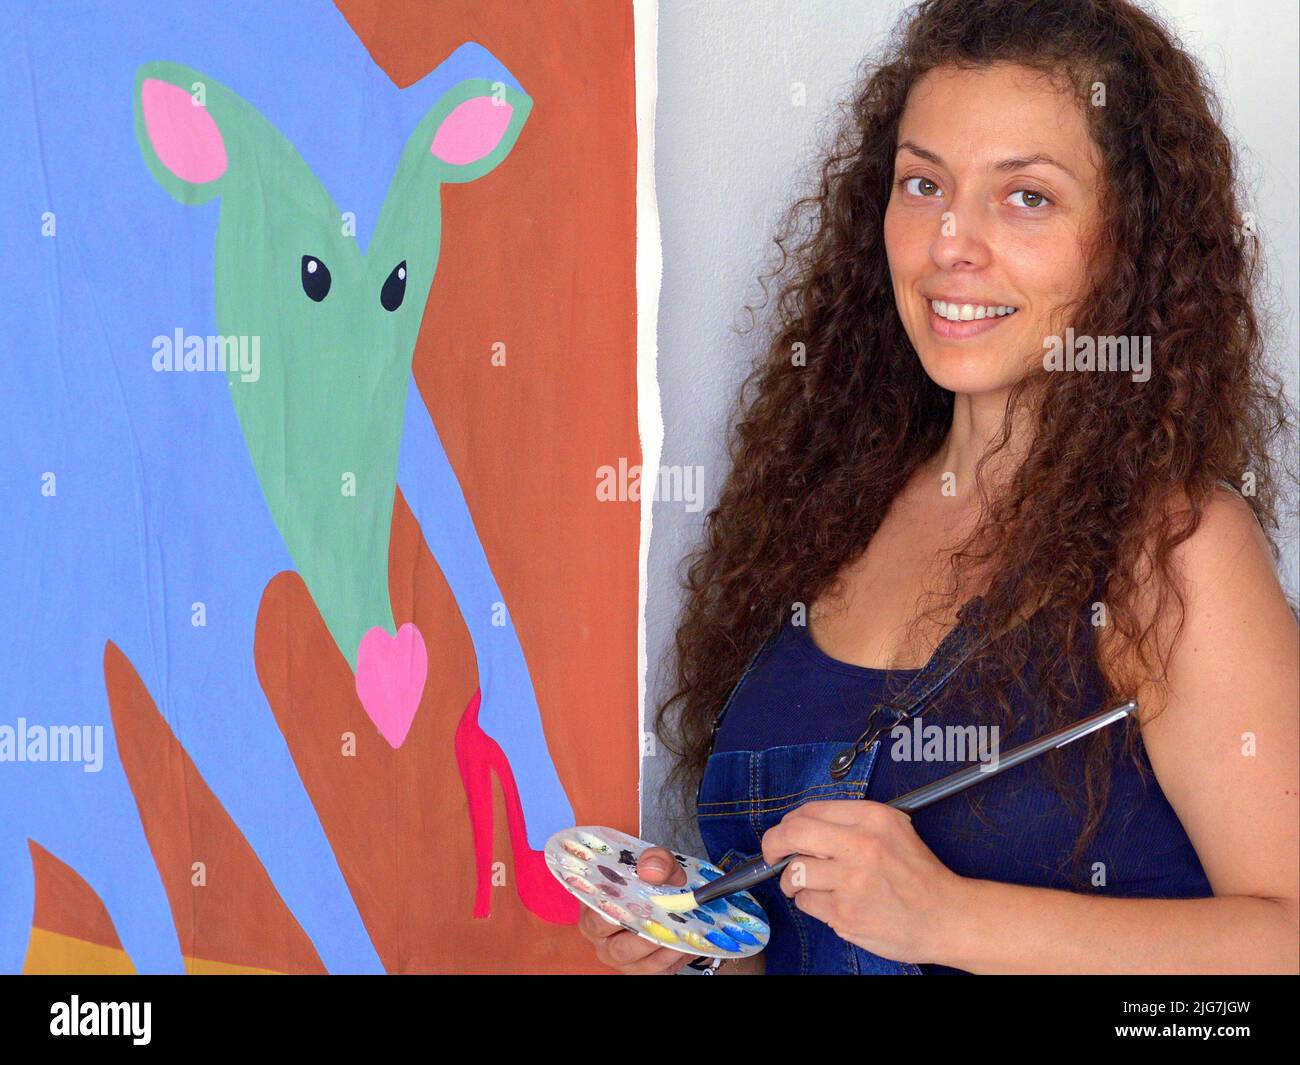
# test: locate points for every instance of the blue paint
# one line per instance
(721, 939)
(738, 933)
(748, 906)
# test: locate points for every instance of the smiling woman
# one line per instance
(986, 251)
(923, 514)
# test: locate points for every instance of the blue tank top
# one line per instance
(1019, 831)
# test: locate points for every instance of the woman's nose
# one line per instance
(959, 238)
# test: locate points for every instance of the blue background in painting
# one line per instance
(157, 505)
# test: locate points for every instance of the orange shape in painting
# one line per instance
(71, 929)
(236, 921)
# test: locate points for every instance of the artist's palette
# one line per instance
(598, 865)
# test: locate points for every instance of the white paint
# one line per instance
(649, 271)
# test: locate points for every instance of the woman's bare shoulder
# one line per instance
(1219, 604)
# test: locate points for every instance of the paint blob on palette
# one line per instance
(598, 865)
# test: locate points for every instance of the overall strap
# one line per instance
(717, 721)
(948, 657)
(749, 667)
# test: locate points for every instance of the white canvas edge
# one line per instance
(649, 271)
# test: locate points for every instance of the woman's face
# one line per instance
(995, 190)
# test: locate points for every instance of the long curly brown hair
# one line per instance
(826, 442)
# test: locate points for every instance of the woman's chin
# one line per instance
(970, 373)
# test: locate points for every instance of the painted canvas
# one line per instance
(315, 621)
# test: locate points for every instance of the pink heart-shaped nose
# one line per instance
(391, 671)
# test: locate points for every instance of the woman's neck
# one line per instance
(976, 427)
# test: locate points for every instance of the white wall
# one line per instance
(733, 145)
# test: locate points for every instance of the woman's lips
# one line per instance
(949, 330)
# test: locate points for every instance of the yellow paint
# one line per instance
(660, 933)
(53, 954)
(56, 954)
(675, 903)
(202, 967)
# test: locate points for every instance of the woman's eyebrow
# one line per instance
(1006, 164)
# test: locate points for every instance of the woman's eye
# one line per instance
(1036, 199)
(924, 185)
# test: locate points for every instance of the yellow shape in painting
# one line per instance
(56, 954)
(53, 954)
(203, 967)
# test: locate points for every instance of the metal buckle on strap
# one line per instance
(948, 657)
(843, 761)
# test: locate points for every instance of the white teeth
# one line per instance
(969, 312)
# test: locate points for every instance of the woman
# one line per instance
(916, 462)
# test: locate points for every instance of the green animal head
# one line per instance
(333, 328)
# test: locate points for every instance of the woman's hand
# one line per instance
(865, 872)
(625, 951)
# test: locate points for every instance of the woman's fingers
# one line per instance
(629, 953)
(658, 866)
(808, 874)
(661, 961)
(626, 951)
(806, 836)
(828, 829)
(595, 927)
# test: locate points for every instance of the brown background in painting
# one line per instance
(539, 256)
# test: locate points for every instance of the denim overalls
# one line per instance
(744, 793)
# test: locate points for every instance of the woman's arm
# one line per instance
(1225, 751)
(1011, 929)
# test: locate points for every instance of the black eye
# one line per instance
(394, 290)
(315, 278)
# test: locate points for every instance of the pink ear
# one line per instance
(183, 134)
(471, 131)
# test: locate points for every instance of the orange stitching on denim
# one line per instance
(793, 794)
(753, 810)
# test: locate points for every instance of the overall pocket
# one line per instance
(743, 794)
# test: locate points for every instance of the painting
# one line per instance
(322, 333)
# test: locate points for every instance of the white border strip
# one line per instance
(649, 272)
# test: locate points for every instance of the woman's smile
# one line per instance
(953, 320)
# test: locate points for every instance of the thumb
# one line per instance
(658, 866)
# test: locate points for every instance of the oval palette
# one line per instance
(598, 867)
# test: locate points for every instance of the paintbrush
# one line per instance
(755, 870)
